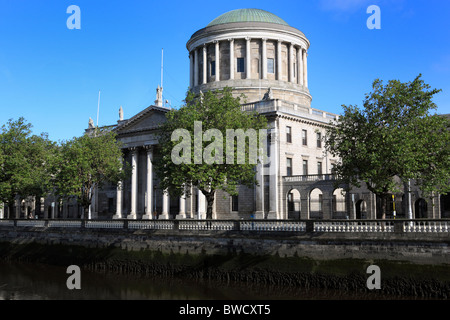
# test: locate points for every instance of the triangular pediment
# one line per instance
(148, 119)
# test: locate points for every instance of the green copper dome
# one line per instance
(247, 15)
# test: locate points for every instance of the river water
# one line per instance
(21, 281)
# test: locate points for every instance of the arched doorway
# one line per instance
(361, 209)
(445, 205)
(420, 207)
(316, 204)
(339, 208)
(293, 204)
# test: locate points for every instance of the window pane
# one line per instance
(305, 167)
(213, 68)
(288, 134)
(234, 203)
(240, 65)
(270, 66)
(319, 140)
(304, 137)
(319, 167)
(289, 166)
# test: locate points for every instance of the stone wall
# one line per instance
(409, 267)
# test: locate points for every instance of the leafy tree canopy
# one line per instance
(211, 159)
(393, 138)
(87, 162)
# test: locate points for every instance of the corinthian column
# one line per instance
(166, 206)
(291, 63)
(279, 69)
(205, 65)
(264, 58)
(182, 213)
(248, 58)
(305, 69)
(231, 59)
(149, 193)
(134, 183)
(118, 214)
(217, 53)
(300, 66)
(191, 70)
(195, 67)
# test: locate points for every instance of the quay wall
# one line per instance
(411, 264)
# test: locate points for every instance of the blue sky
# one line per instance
(51, 75)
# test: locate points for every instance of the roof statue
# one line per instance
(268, 95)
(120, 114)
(159, 100)
(91, 123)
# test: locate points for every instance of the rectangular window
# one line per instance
(319, 167)
(295, 69)
(240, 65)
(270, 65)
(305, 167)
(288, 135)
(235, 203)
(304, 138)
(289, 166)
(212, 68)
(319, 139)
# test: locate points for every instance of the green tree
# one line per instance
(26, 162)
(394, 138)
(87, 162)
(204, 159)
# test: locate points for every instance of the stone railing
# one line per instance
(309, 177)
(253, 225)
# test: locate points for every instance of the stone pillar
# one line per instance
(201, 213)
(248, 58)
(273, 194)
(291, 63)
(166, 206)
(149, 193)
(134, 183)
(118, 214)
(305, 69)
(205, 64)
(182, 213)
(191, 70)
(259, 192)
(231, 58)
(304, 205)
(195, 67)
(300, 66)
(279, 69)
(217, 58)
(264, 58)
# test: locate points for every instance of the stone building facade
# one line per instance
(259, 55)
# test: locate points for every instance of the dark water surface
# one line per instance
(20, 281)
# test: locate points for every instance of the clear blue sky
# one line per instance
(52, 75)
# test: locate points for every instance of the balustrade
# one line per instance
(326, 226)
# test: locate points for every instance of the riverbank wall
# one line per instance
(411, 265)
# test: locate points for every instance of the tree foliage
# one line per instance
(88, 162)
(27, 162)
(217, 112)
(393, 138)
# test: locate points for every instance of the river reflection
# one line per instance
(20, 281)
